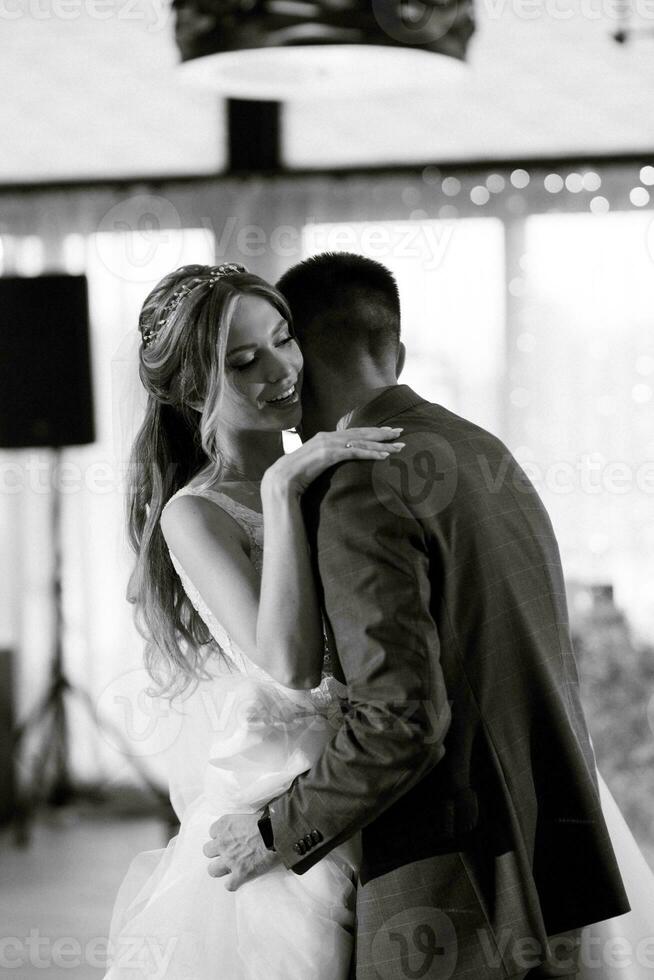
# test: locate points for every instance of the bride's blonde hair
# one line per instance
(184, 325)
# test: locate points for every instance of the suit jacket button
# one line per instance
(296, 847)
(316, 836)
(308, 842)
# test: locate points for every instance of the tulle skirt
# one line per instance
(622, 948)
(240, 743)
(173, 921)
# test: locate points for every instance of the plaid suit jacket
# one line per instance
(464, 735)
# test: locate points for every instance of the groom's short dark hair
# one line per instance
(343, 302)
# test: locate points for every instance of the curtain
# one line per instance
(526, 308)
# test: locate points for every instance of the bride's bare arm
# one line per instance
(276, 623)
(289, 621)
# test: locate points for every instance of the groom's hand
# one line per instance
(238, 850)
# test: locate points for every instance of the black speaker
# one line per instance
(45, 369)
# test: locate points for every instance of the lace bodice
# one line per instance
(330, 690)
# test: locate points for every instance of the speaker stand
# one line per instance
(50, 782)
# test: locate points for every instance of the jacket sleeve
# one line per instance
(374, 566)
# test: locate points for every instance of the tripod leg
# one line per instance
(104, 726)
(32, 719)
(28, 793)
(61, 790)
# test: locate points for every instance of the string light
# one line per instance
(599, 205)
(520, 179)
(495, 183)
(639, 197)
(553, 183)
(574, 183)
(451, 186)
(479, 195)
(431, 175)
(591, 181)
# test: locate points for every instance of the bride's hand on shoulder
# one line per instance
(295, 471)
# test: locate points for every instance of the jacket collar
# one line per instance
(386, 405)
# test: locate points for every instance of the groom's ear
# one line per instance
(401, 358)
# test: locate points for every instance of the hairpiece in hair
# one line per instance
(217, 272)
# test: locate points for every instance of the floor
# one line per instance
(56, 896)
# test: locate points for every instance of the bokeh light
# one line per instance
(574, 183)
(553, 183)
(495, 183)
(431, 175)
(639, 197)
(451, 186)
(520, 179)
(599, 205)
(591, 181)
(479, 195)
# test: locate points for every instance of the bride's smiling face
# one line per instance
(263, 367)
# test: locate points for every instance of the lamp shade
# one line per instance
(294, 49)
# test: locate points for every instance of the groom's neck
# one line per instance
(324, 414)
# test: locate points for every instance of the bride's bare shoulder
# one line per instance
(190, 520)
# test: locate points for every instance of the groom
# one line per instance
(464, 756)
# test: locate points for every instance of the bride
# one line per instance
(234, 630)
(235, 640)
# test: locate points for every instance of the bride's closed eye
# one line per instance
(282, 342)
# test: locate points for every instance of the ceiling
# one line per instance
(91, 90)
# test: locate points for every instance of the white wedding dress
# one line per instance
(622, 948)
(238, 741)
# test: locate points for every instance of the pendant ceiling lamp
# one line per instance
(284, 50)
